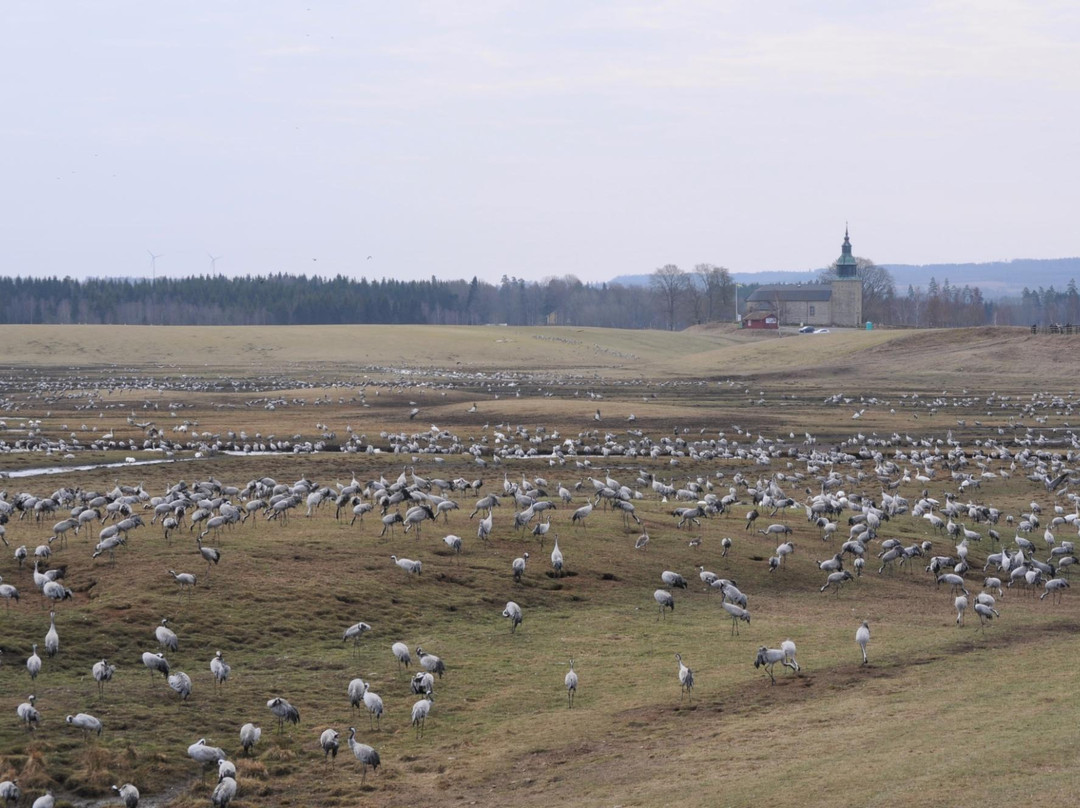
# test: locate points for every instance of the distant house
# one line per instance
(760, 319)
(838, 302)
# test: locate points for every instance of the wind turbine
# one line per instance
(213, 261)
(153, 265)
(153, 281)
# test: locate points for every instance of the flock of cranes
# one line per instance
(826, 496)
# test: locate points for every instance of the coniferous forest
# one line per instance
(283, 299)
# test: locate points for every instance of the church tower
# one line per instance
(846, 289)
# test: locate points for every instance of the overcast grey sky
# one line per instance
(533, 138)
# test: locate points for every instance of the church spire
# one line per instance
(845, 265)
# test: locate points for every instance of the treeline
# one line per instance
(944, 306)
(297, 299)
(674, 299)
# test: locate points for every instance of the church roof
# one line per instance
(846, 263)
(791, 292)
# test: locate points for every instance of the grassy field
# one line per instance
(942, 715)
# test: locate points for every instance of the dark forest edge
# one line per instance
(703, 295)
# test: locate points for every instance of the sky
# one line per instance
(532, 139)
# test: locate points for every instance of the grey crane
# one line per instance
(986, 614)
(835, 579)
(407, 564)
(185, 580)
(33, 663)
(420, 712)
(355, 632)
(862, 637)
(363, 753)
(485, 526)
(86, 722)
(128, 794)
(10, 793)
(557, 558)
(284, 712)
(540, 530)
(359, 510)
(955, 582)
(28, 713)
(726, 544)
(181, 683)
(571, 683)
(52, 638)
(389, 521)
(416, 516)
(156, 663)
(401, 654)
(454, 543)
(9, 593)
(664, 600)
(513, 612)
(226, 768)
(770, 656)
(329, 743)
(166, 637)
(961, 604)
(210, 554)
(1055, 587)
(581, 514)
(46, 800)
(686, 679)
(204, 754)
(374, 704)
(422, 682)
(737, 613)
(518, 566)
(356, 690)
(224, 793)
(102, 672)
(673, 579)
(430, 662)
(220, 668)
(55, 591)
(249, 736)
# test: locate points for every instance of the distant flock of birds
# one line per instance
(211, 507)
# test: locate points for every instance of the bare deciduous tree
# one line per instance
(669, 284)
(714, 287)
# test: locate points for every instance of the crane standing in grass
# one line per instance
(33, 663)
(686, 679)
(52, 638)
(284, 712)
(166, 637)
(128, 794)
(249, 736)
(513, 612)
(420, 712)
(571, 682)
(329, 743)
(220, 668)
(102, 672)
(664, 600)
(363, 753)
(862, 637)
(557, 558)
